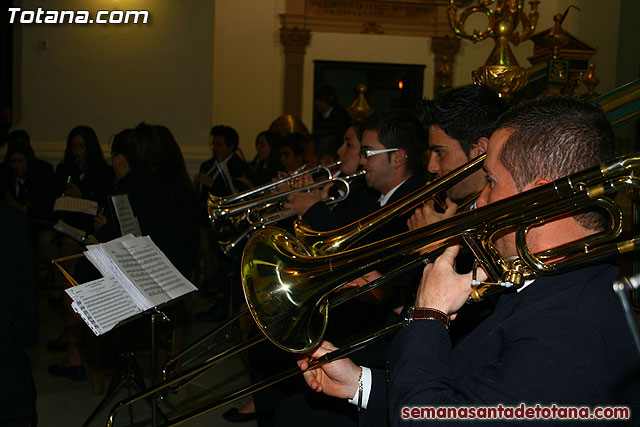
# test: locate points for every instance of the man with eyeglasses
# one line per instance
(393, 145)
(392, 148)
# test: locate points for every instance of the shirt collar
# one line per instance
(385, 197)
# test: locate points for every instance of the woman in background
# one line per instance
(265, 165)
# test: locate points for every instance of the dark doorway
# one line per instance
(389, 86)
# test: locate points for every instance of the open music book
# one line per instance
(137, 277)
(75, 204)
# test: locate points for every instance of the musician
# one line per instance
(392, 147)
(266, 163)
(459, 125)
(321, 148)
(360, 202)
(560, 339)
(291, 152)
(225, 172)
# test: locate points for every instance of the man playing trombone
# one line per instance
(558, 340)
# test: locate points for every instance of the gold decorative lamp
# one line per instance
(360, 107)
(501, 72)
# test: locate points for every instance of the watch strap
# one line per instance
(422, 313)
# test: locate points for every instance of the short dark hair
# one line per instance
(294, 142)
(400, 129)
(326, 93)
(325, 142)
(553, 137)
(18, 135)
(465, 114)
(228, 133)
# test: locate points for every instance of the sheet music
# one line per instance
(74, 204)
(73, 232)
(102, 304)
(128, 222)
(157, 269)
(142, 268)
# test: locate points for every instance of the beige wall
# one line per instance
(218, 62)
(114, 76)
(247, 71)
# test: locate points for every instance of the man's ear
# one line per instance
(538, 182)
(399, 158)
(480, 147)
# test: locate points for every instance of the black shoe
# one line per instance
(217, 313)
(57, 346)
(74, 373)
(238, 417)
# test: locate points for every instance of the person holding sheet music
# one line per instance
(83, 173)
(152, 178)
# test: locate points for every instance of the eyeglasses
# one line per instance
(366, 153)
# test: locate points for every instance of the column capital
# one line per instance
(295, 40)
(445, 47)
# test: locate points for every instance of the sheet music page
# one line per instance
(102, 303)
(128, 222)
(73, 232)
(74, 204)
(102, 256)
(157, 269)
(142, 268)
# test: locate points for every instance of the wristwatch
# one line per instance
(420, 313)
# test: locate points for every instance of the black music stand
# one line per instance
(127, 368)
(128, 371)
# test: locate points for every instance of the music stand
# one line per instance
(127, 368)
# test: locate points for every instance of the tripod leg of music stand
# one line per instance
(113, 386)
(138, 380)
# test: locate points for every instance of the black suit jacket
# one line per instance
(361, 201)
(562, 340)
(237, 169)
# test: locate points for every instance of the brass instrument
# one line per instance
(216, 203)
(244, 218)
(288, 290)
(334, 241)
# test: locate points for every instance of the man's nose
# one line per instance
(434, 165)
(483, 199)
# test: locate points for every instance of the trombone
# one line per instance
(334, 241)
(288, 290)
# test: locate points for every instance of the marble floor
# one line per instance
(63, 402)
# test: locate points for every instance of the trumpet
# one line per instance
(289, 292)
(216, 202)
(238, 221)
